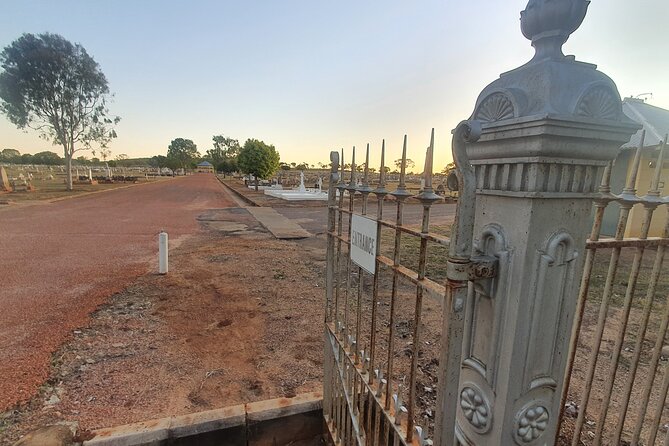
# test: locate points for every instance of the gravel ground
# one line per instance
(59, 261)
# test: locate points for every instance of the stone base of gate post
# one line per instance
(549, 129)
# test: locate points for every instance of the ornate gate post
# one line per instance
(549, 128)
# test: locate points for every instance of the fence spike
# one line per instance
(381, 188)
(365, 179)
(352, 185)
(378, 373)
(341, 183)
(428, 164)
(655, 185)
(630, 187)
(427, 195)
(401, 191)
(420, 435)
(399, 408)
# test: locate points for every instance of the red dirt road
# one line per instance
(59, 261)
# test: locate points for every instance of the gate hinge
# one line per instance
(477, 268)
(483, 267)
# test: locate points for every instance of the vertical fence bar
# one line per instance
(380, 193)
(655, 424)
(601, 202)
(427, 197)
(629, 295)
(340, 188)
(627, 200)
(652, 199)
(400, 194)
(330, 261)
(351, 193)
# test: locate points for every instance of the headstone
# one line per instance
(302, 188)
(4, 180)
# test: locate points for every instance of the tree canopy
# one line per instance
(258, 159)
(224, 154)
(182, 151)
(10, 156)
(56, 88)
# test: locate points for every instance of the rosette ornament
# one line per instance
(549, 23)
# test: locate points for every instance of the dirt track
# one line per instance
(95, 246)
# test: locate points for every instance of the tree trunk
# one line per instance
(68, 164)
(256, 183)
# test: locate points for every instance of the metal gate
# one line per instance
(392, 335)
(617, 381)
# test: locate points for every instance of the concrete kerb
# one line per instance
(240, 417)
(237, 196)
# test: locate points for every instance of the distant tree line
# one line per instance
(227, 156)
(13, 156)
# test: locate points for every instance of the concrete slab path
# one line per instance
(280, 226)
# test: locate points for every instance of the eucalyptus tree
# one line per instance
(56, 88)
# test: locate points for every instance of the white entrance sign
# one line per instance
(363, 242)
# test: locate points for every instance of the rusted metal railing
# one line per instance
(363, 402)
(622, 380)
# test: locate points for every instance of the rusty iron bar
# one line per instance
(632, 242)
(650, 203)
(339, 187)
(427, 197)
(380, 193)
(659, 408)
(329, 388)
(444, 241)
(627, 305)
(351, 193)
(353, 370)
(400, 194)
(627, 199)
(605, 197)
(332, 199)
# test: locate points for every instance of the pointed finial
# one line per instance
(421, 437)
(341, 183)
(401, 191)
(403, 164)
(381, 188)
(352, 185)
(427, 195)
(428, 163)
(380, 382)
(400, 410)
(655, 184)
(365, 180)
(364, 188)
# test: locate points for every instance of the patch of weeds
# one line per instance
(279, 275)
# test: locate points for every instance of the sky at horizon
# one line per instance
(310, 77)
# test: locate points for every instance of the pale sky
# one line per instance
(311, 76)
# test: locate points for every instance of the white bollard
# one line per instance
(162, 252)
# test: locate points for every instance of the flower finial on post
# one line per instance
(549, 23)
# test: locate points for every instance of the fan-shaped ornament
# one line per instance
(599, 103)
(495, 107)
